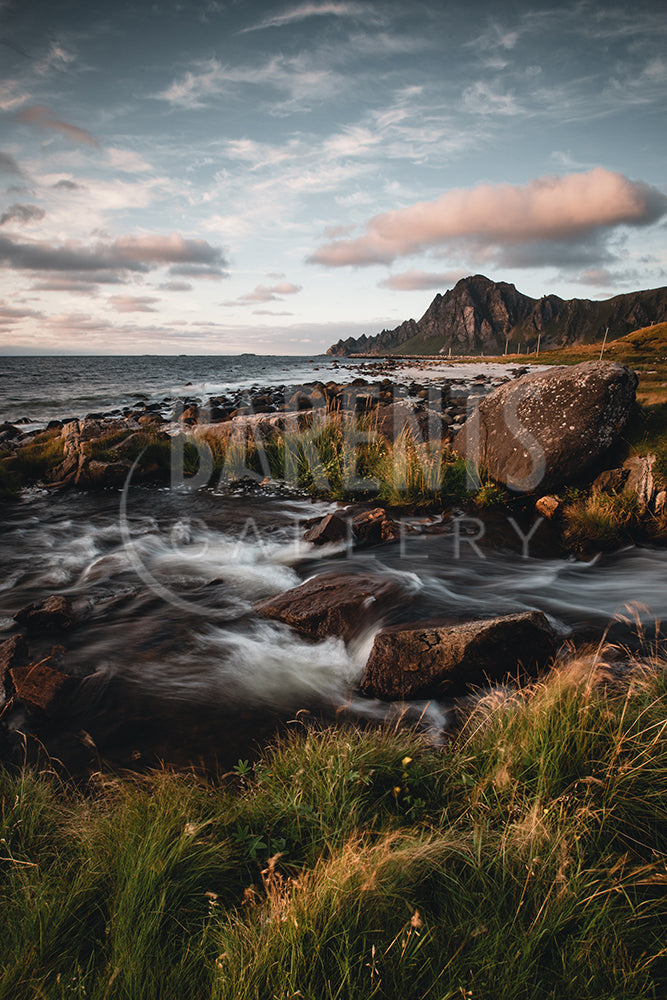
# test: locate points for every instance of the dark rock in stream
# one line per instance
(54, 614)
(429, 660)
(334, 604)
(13, 653)
(41, 686)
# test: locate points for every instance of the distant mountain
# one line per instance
(478, 316)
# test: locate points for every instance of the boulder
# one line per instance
(640, 480)
(13, 653)
(334, 604)
(326, 530)
(104, 474)
(548, 506)
(430, 660)
(610, 481)
(40, 685)
(549, 428)
(51, 615)
(421, 423)
(372, 527)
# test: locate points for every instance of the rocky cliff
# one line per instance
(478, 316)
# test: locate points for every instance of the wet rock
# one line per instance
(105, 474)
(334, 604)
(54, 614)
(190, 415)
(549, 428)
(430, 660)
(40, 686)
(548, 506)
(610, 481)
(13, 653)
(372, 527)
(150, 420)
(661, 503)
(328, 529)
(9, 432)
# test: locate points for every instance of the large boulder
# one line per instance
(549, 428)
(335, 604)
(428, 660)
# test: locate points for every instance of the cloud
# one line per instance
(269, 312)
(133, 303)
(65, 285)
(596, 276)
(266, 293)
(127, 253)
(199, 271)
(66, 185)
(298, 76)
(22, 214)
(411, 281)
(43, 118)
(8, 165)
(176, 286)
(484, 98)
(9, 314)
(56, 58)
(127, 160)
(306, 10)
(11, 96)
(568, 209)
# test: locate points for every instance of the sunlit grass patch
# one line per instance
(603, 520)
(527, 856)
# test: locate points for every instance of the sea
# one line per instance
(43, 388)
(37, 389)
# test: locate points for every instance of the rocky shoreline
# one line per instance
(418, 659)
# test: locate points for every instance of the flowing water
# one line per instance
(163, 592)
(164, 582)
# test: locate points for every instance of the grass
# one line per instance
(341, 458)
(528, 857)
(645, 350)
(602, 520)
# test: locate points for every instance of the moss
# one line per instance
(31, 463)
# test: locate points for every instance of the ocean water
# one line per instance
(42, 388)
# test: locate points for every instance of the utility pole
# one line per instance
(603, 343)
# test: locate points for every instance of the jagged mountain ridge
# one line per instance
(479, 315)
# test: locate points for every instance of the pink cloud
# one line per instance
(133, 303)
(270, 293)
(412, 281)
(43, 118)
(547, 209)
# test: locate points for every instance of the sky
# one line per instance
(224, 176)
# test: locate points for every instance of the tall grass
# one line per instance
(527, 857)
(342, 457)
(604, 520)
